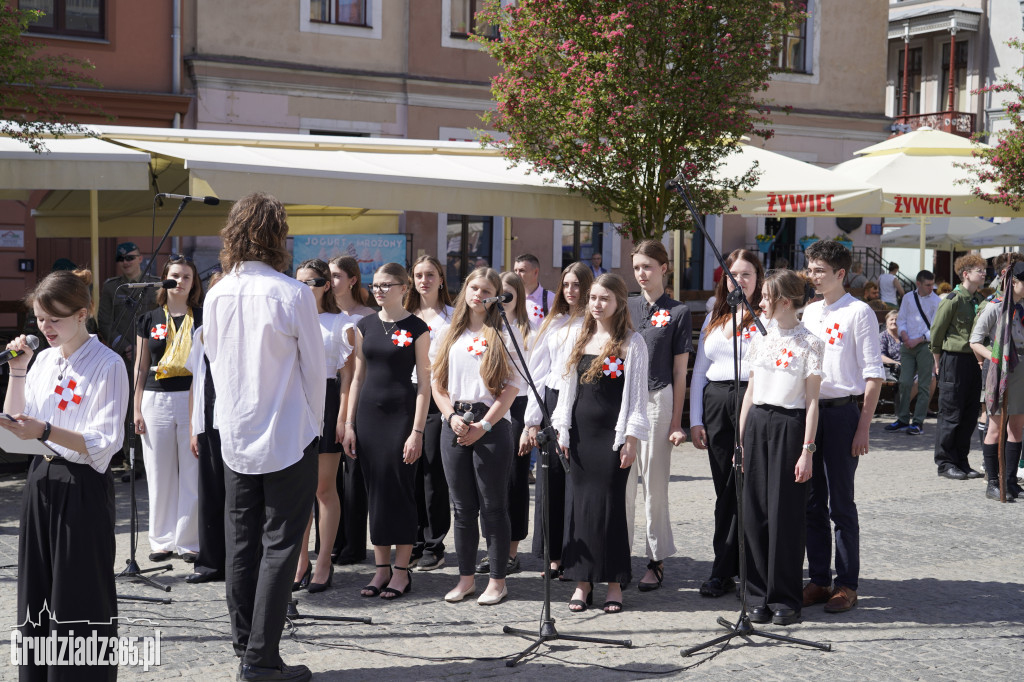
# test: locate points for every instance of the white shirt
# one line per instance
(87, 394)
(535, 305)
(437, 333)
(887, 288)
(196, 363)
(714, 362)
(632, 418)
(543, 363)
(849, 330)
(333, 332)
(267, 361)
(780, 363)
(909, 319)
(464, 359)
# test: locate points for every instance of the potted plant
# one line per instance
(845, 241)
(808, 240)
(764, 242)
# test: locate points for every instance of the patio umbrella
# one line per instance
(941, 234)
(921, 176)
(1010, 233)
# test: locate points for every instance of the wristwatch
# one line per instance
(810, 447)
(486, 425)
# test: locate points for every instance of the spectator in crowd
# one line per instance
(595, 264)
(913, 325)
(889, 288)
(872, 299)
(856, 280)
(538, 299)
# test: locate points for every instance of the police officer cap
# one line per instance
(125, 248)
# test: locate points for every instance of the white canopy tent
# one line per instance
(1010, 233)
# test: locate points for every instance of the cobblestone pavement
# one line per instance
(941, 598)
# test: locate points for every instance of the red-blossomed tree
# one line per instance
(35, 89)
(614, 98)
(1001, 170)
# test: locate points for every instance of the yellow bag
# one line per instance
(178, 348)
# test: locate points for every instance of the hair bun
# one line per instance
(84, 274)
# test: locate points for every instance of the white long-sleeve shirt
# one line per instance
(196, 363)
(909, 318)
(87, 393)
(714, 362)
(853, 354)
(267, 359)
(543, 363)
(632, 418)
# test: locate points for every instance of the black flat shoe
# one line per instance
(390, 593)
(785, 616)
(286, 673)
(320, 587)
(716, 587)
(196, 578)
(760, 614)
(304, 581)
(189, 557)
(953, 473)
(658, 568)
(160, 556)
(484, 566)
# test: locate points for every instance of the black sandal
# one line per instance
(607, 608)
(659, 572)
(373, 589)
(390, 593)
(581, 605)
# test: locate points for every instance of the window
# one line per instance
(348, 12)
(464, 23)
(469, 240)
(792, 54)
(67, 17)
(913, 82)
(581, 239)
(959, 78)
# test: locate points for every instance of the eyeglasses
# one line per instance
(127, 259)
(977, 271)
(384, 287)
(178, 257)
(315, 282)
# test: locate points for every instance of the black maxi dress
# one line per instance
(597, 540)
(384, 417)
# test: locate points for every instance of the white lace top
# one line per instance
(779, 364)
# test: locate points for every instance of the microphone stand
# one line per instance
(547, 440)
(742, 627)
(132, 571)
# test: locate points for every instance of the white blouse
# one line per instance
(87, 393)
(543, 359)
(632, 419)
(780, 362)
(714, 362)
(333, 330)
(464, 358)
(196, 363)
(437, 333)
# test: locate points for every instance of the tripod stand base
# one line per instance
(548, 633)
(293, 614)
(132, 570)
(743, 628)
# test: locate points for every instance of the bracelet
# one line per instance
(19, 376)
(418, 431)
(350, 423)
(46, 432)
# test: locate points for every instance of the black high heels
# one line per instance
(320, 587)
(304, 581)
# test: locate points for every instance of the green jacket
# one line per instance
(954, 320)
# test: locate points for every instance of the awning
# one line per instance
(71, 164)
(922, 20)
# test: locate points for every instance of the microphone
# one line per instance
(504, 298)
(32, 341)
(166, 284)
(209, 201)
(469, 418)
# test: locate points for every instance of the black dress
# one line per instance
(596, 540)
(384, 417)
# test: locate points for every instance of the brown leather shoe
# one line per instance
(843, 599)
(816, 594)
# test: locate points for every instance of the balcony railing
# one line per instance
(957, 122)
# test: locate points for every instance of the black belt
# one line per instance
(478, 410)
(728, 382)
(792, 411)
(837, 402)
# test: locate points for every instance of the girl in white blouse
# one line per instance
(713, 415)
(780, 412)
(74, 399)
(474, 384)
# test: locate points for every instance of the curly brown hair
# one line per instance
(256, 230)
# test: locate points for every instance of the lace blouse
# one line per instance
(779, 364)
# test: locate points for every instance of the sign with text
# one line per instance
(371, 250)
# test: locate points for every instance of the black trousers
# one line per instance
(350, 542)
(774, 506)
(66, 560)
(432, 503)
(959, 388)
(478, 482)
(211, 505)
(556, 499)
(268, 513)
(519, 477)
(720, 419)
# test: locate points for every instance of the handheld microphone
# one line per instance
(32, 341)
(504, 298)
(166, 284)
(469, 418)
(209, 201)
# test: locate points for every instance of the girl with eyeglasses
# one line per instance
(474, 384)
(430, 299)
(565, 315)
(386, 416)
(74, 399)
(336, 331)
(162, 386)
(713, 402)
